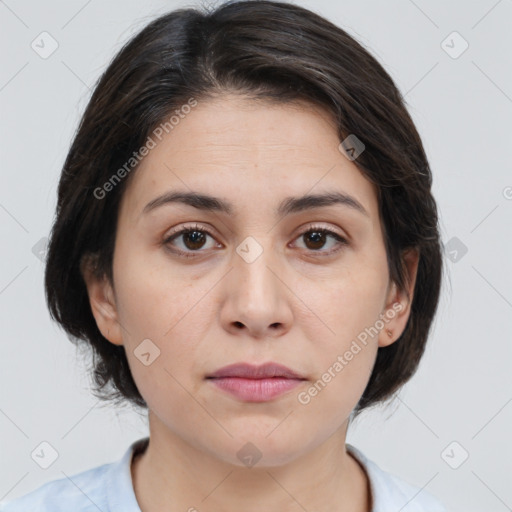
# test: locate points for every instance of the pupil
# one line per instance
(196, 238)
(318, 238)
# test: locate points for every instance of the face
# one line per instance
(263, 278)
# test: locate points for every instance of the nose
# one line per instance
(256, 300)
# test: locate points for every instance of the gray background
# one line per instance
(462, 105)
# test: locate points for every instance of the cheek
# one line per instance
(153, 295)
(344, 358)
(347, 310)
(336, 392)
(159, 301)
(347, 301)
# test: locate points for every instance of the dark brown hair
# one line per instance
(269, 50)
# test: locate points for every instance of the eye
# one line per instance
(193, 238)
(317, 236)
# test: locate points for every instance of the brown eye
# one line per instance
(316, 238)
(193, 239)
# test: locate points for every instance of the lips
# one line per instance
(249, 383)
(248, 371)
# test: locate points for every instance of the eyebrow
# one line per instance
(289, 205)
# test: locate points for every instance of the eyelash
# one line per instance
(196, 227)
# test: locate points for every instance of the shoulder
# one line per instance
(82, 492)
(390, 492)
(106, 487)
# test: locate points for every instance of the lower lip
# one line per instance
(256, 390)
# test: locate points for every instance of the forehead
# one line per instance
(245, 149)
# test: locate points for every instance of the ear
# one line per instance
(102, 300)
(398, 304)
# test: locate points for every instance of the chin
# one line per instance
(262, 450)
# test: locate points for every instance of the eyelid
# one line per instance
(315, 225)
(192, 227)
(300, 231)
(184, 229)
(341, 239)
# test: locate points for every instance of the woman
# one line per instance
(246, 238)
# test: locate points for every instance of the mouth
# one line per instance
(249, 371)
(251, 383)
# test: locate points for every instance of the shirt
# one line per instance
(109, 488)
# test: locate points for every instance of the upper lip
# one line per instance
(249, 371)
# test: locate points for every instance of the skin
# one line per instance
(291, 305)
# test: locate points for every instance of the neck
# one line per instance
(172, 473)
